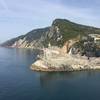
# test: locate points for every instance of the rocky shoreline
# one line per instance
(67, 63)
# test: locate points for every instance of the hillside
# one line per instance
(57, 34)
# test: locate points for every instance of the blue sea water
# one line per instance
(19, 82)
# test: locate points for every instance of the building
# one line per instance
(96, 38)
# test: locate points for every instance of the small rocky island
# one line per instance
(65, 46)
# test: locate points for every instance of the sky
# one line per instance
(17, 17)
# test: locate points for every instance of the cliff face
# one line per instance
(57, 34)
(30, 40)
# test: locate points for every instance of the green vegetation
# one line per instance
(67, 30)
(71, 30)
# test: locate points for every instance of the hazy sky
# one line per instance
(20, 16)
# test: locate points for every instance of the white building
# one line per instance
(96, 38)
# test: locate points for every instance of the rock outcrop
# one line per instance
(66, 63)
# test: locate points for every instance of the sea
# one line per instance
(19, 82)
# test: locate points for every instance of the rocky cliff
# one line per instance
(57, 34)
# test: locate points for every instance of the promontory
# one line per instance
(65, 46)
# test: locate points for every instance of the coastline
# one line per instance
(71, 63)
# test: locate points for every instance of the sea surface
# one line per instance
(19, 82)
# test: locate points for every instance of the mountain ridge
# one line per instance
(57, 34)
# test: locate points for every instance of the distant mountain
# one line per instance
(57, 34)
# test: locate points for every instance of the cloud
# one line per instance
(4, 5)
(41, 9)
(38, 13)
